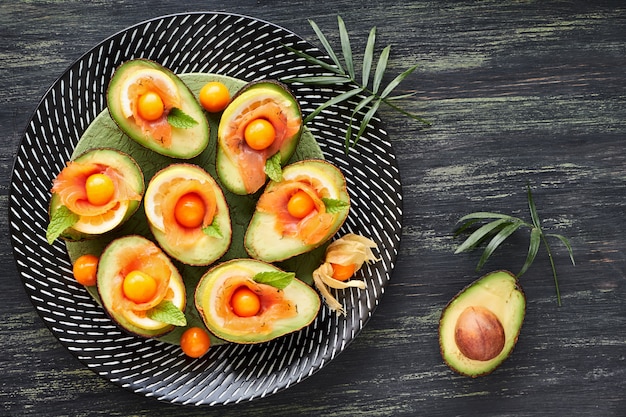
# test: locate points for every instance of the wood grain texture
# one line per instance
(519, 92)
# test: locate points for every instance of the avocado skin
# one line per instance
(306, 299)
(111, 157)
(500, 292)
(227, 169)
(186, 143)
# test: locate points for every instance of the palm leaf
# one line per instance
(368, 57)
(366, 120)
(326, 45)
(533, 249)
(565, 242)
(316, 61)
(533, 209)
(335, 100)
(345, 47)
(381, 67)
(496, 241)
(477, 236)
(394, 83)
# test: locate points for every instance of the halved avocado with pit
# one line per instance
(136, 77)
(480, 326)
(282, 311)
(123, 164)
(119, 258)
(268, 239)
(239, 167)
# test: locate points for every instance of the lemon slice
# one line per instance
(95, 225)
(155, 76)
(160, 182)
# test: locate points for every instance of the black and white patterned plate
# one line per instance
(226, 44)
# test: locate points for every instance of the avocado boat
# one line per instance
(155, 108)
(479, 327)
(134, 278)
(278, 231)
(241, 158)
(188, 214)
(277, 311)
(102, 186)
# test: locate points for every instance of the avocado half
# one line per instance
(265, 241)
(239, 167)
(185, 142)
(133, 175)
(215, 289)
(118, 259)
(190, 246)
(479, 327)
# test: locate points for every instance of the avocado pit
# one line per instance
(479, 334)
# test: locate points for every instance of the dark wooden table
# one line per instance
(518, 92)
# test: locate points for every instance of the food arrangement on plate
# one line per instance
(190, 190)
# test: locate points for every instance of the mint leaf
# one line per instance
(62, 218)
(273, 168)
(178, 118)
(277, 279)
(167, 312)
(334, 205)
(213, 230)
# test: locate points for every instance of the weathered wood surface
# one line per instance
(518, 92)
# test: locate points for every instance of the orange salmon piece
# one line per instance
(70, 186)
(252, 162)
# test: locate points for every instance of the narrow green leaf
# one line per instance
(345, 47)
(326, 45)
(368, 56)
(313, 60)
(167, 312)
(277, 279)
(496, 241)
(478, 235)
(565, 242)
(337, 99)
(533, 209)
(381, 67)
(366, 119)
(323, 80)
(62, 218)
(400, 97)
(485, 215)
(394, 83)
(533, 248)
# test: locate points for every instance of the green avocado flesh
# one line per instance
(264, 241)
(257, 100)
(123, 164)
(116, 259)
(497, 295)
(104, 132)
(190, 247)
(215, 290)
(186, 142)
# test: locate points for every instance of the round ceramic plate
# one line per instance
(226, 44)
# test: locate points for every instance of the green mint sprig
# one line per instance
(167, 312)
(62, 219)
(179, 119)
(345, 73)
(500, 227)
(277, 279)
